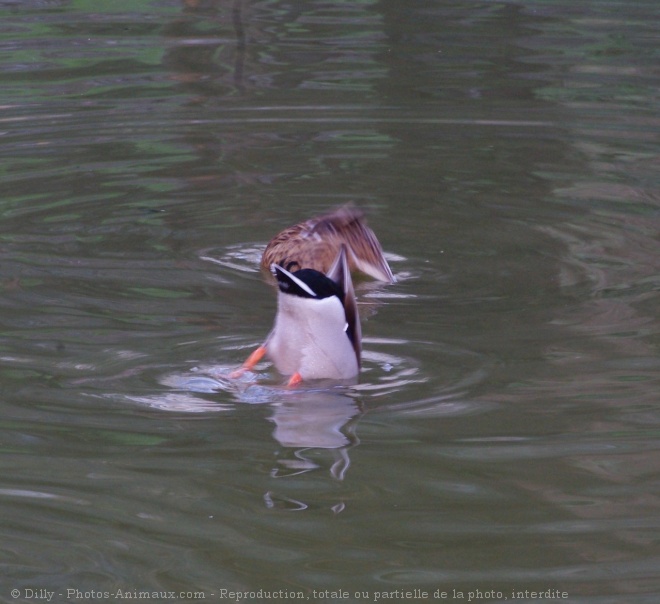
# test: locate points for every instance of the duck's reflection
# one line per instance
(311, 420)
(314, 428)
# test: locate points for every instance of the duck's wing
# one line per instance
(346, 225)
(287, 249)
(340, 273)
(315, 244)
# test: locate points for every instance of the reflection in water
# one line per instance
(312, 419)
(306, 420)
(315, 420)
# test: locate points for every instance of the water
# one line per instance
(503, 436)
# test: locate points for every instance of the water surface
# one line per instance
(503, 436)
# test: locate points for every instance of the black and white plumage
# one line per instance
(317, 330)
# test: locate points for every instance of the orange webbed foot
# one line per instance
(295, 379)
(249, 363)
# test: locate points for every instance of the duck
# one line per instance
(315, 243)
(317, 332)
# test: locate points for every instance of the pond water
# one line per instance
(502, 440)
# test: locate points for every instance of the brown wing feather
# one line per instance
(339, 272)
(316, 243)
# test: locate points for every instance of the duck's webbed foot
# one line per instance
(250, 362)
(294, 380)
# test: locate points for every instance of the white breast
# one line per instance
(310, 338)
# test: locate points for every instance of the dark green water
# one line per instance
(502, 442)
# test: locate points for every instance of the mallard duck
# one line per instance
(317, 331)
(315, 244)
